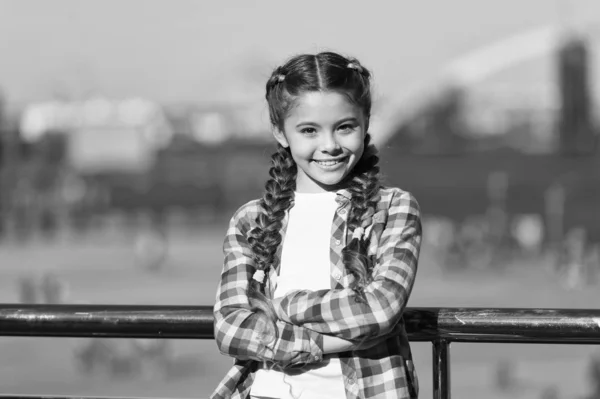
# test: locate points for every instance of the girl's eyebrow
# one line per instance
(348, 119)
(343, 120)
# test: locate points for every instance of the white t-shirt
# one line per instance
(305, 264)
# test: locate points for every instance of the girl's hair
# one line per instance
(325, 72)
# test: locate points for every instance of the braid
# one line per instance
(265, 238)
(276, 77)
(364, 188)
(355, 64)
(276, 97)
(308, 73)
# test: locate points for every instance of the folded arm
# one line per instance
(241, 332)
(341, 312)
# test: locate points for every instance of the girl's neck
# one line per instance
(316, 187)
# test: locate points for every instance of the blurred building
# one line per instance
(101, 134)
(221, 123)
(576, 127)
(449, 148)
(520, 117)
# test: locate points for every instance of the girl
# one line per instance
(317, 273)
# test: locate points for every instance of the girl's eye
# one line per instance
(346, 128)
(308, 130)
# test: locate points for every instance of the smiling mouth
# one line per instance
(330, 162)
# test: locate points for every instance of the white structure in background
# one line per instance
(510, 110)
(103, 135)
(209, 127)
(492, 107)
(237, 110)
(474, 70)
(217, 124)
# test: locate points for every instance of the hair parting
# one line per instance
(326, 71)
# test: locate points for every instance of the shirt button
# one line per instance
(337, 275)
(337, 242)
(342, 211)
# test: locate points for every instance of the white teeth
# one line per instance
(328, 163)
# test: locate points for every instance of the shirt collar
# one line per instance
(343, 195)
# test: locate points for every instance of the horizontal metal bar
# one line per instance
(560, 326)
(9, 396)
(505, 325)
(109, 321)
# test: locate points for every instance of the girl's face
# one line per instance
(325, 133)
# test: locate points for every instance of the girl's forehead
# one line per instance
(323, 105)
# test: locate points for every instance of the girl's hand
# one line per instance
(333, 344)
(370, 343)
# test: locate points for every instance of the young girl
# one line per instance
(317, 273)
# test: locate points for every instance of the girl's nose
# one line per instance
(329, 143)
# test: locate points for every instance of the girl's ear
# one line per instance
(280, 137)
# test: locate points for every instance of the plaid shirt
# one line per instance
(383, 371)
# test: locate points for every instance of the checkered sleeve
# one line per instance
(340, 312)
(239, 331)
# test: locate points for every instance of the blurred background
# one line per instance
(131, 130)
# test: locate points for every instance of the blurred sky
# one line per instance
(198, 50)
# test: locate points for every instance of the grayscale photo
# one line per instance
(260, 199)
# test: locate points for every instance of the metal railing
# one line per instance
(440, 326)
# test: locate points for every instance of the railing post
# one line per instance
(441, 369)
